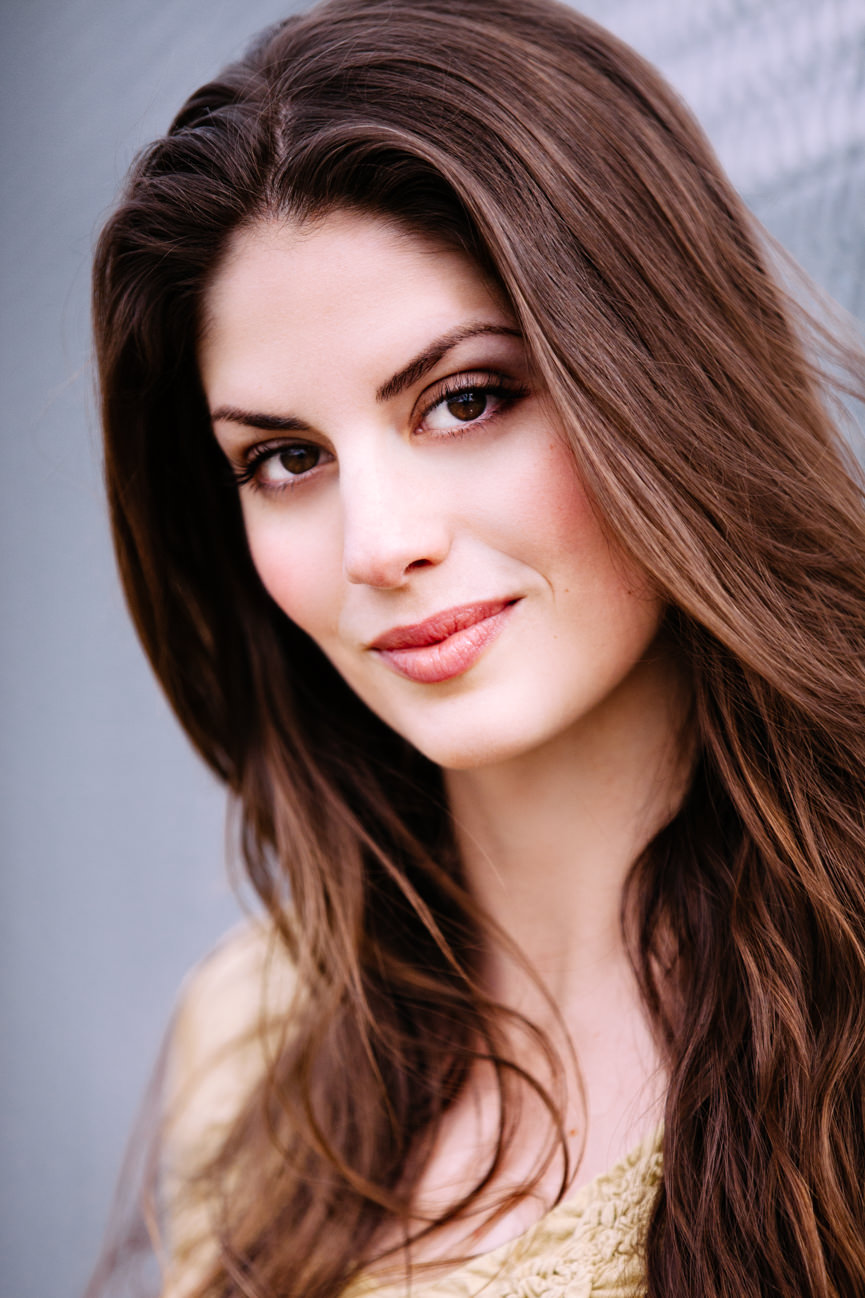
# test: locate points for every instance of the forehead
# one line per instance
(292, 297)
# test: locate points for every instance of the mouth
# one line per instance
(444, 645)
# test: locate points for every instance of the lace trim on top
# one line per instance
(589, 1246)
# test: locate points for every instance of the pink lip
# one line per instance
(444, 645)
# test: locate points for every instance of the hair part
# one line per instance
(527, 137)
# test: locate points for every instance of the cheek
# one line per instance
(557, 505)
(538, 504)
(299, 564)
(562, 536)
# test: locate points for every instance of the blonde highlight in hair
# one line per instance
(558, 160)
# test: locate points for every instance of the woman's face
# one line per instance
(407, 498)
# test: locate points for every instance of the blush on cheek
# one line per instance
(295, 578)
(552, 502)
(561, 527)
(571, 512)
(568, 498)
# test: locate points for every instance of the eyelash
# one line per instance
(487, 384)
(482, 383)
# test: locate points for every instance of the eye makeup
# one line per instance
(460, 395)
(451, 407)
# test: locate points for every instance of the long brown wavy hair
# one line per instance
(525, 135)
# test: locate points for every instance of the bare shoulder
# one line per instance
(229, 1007)
(218, 1046)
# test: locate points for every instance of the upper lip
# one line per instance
(441, 625)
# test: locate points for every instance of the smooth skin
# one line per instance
(396, 459)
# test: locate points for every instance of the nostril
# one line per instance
(382, 545)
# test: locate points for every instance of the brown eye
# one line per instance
(298, 459)
(467, 405)
(471, 403)
(282, 466)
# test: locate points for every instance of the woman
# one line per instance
(480, 509)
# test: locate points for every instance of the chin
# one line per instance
(483, 746)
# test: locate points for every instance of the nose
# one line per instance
(394, 521)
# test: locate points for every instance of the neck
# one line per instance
(548, 838)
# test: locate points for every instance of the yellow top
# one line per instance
(589, 1246)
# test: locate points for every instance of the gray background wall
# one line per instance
(112, 876)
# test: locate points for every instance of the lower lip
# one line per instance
(432, 663)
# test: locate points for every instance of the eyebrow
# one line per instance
(404, 378)
(431, 355)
